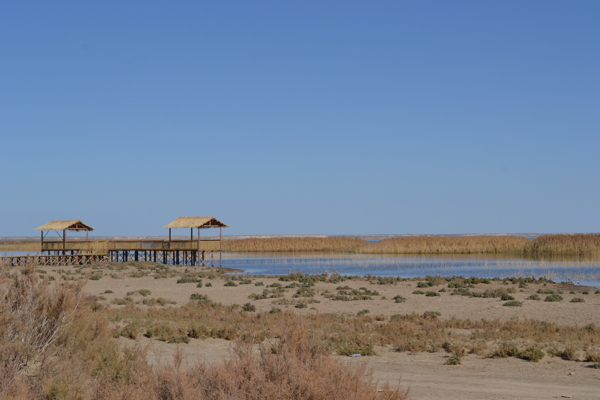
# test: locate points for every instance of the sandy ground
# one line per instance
(426, 376)
(564, 312)
(423, 373)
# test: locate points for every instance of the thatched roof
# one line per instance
(196, 222)
(70, 225)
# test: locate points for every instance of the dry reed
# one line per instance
(588, 244)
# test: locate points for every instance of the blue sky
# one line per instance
(301, 117)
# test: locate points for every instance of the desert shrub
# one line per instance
(513, 303)
(424, 284)
(533, 297)
(418, 292)
(431, 294)
(531, 354)
(301, 305)
(553, 297)
(577, 300)
(259, 284)
(570, 354)
(230, 283)
(32, 314)
(453, 360)
(506, 349)
(249, 307)
(198, 296)
(506, 296)
(363, 312)
(399, 299)
(275, 310)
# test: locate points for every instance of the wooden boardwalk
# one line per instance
(86, 252)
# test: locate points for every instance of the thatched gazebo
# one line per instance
(64, 225)
(196, 223)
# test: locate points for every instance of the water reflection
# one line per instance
(585, 270)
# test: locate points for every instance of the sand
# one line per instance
(423, 373)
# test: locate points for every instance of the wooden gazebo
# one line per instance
(64, 226)
(199, 223)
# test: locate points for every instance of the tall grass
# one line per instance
(588, 244)
(295, 244)
(448, 245)
(580, 244)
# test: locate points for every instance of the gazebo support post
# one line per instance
(220, 246)
(64, 241)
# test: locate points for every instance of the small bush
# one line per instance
(533, 297)
(108, 291)
(418, 292)
(399, 299)
(363, 312)
(577, 300)
(275, 310)
(506, 349)
(259, 284)
(513, 303)
(249, 307)
(454, 360)
(230, 283)
(198, 296)
(532, 354)
(570, 354)
(432, 294)
(506, 297)
(199, 285)
(208, 285)
(301, 305)
(553, 298)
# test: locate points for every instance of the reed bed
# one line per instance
(295, 244)
(583, 244)
(580, 244)
(448, 245)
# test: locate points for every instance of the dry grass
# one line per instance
(543, 245)
(295, 244)
(567, 244)
(448, 245)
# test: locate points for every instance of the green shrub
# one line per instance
(259, 284)
(363, 312)
(577, 300)
(513, 303)
(506, 297)
(208, 285)
(301, 305)
(432, 294)
(553, 297)
(249, 307)
(532, 354)
(230, 283)
(275, 310)
(399, 299)
(418, 292)
(533, 297)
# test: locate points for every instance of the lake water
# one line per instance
(584, 270)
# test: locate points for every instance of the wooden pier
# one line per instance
(192, 252)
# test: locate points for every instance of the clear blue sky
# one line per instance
(301, 117)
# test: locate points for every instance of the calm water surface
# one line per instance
(584, 270)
